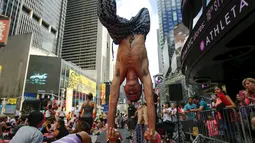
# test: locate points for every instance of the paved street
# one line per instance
(101, 138)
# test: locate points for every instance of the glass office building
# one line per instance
(45, 19)
(169, 12)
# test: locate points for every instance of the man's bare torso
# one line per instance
(132, 55)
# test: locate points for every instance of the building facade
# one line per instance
(86, 42)
(181, 34)
(45, 19)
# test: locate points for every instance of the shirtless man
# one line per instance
(132, 61)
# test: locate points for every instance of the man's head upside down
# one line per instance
(133, 88)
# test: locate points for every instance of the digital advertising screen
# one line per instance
(43, 74)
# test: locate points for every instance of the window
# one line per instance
(53, 31)
(25, 10)
(36, 18)
(174, 16)
(45, 25)
(173, 3)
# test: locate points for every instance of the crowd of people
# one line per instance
(52, 125)
(55, 126)
(219, 116)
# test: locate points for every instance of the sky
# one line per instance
(129, 8)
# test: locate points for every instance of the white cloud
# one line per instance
(129, 8)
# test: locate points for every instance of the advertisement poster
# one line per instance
(4, 29)
(81, 83)
(10, 109)
(12, 100)
(43, 74)
(102, 89)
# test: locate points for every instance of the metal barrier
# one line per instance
(201, 139)
(247, 113)
(216, 126)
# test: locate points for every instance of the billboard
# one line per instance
(81, 83)
(43, 74)
(4, 29)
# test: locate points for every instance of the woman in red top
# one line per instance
(224, 97)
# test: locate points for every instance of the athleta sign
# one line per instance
(219, 17)
(213, 10)
(227, 19)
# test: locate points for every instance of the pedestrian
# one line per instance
(30, 133)
(131, 120)
(87, 109)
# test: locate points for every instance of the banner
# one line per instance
(102, 90)
(12, 100)
(9, 109)
(43, 74)
(4, 29)
(81, 83)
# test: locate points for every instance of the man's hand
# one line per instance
(151, 135)
(112, 135)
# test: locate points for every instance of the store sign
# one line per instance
(12, 100)
(81, 83)
(214, 9)
(30, 96)
(220, 17)
(4, 29)
(224, 22)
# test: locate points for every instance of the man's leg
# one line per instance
(130, 128)
(132, 133)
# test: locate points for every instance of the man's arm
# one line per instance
(114, 95)
(148, 91)
(186, 109)
(94, 110)
(198, 109)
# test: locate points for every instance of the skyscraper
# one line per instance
(86, 41)
(160, 56)
(46, 19)
(169, 12)
(80, 38)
